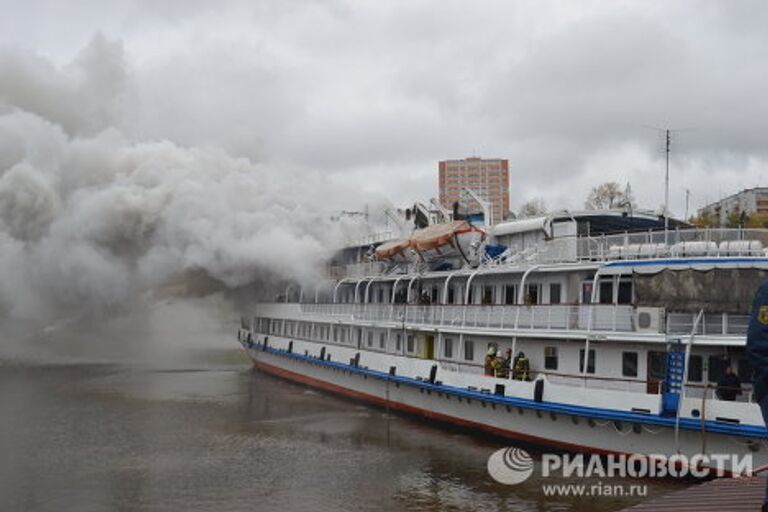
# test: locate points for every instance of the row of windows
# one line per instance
(378, 340)
(609, 292)
(488, 294)
(334, 333)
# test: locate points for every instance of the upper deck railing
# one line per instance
(677, 243)
(561, 317)
(672, 243)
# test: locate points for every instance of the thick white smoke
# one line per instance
(90, 220)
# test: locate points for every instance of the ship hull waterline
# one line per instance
(579, 435)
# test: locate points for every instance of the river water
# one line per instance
(218, 435)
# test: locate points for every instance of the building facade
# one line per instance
(488, 178)
(750, 201)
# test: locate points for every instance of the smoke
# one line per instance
(90, 221)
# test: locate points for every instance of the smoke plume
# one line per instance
(90, 220)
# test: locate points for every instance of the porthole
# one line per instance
(575, 420)
(636, 428)
(553, 416)
(538, 413)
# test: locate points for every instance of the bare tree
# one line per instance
(533, 208)
(609, 195)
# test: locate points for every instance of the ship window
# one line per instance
(510, 294)
(550, 358)
(717, 366)
(380, 295)
(625, 291)
(343, 334)
(606, 292)
(448, 347)
(451, 295)
(398, 342)
(695, 373)
(629, 364)
(555, 293)
(470, 296)
(433, 295)
(532, 294)
(370, 338)
(382, 340)
(409, 343)
(469, 350)
(590, 361)
(487, 294)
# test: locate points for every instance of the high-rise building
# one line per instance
(750, 201)
(488, 178)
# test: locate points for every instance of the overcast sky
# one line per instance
(373, 94)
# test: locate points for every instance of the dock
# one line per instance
(719, 495)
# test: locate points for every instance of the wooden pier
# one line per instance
(720, 495)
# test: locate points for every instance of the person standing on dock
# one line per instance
(757, 352)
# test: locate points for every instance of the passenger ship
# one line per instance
(627, 324)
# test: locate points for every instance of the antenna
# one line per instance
(687, 201)
(666, 184)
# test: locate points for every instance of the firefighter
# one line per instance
(522, 368)
(490, 360)
(757, 352)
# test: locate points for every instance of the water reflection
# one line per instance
(228, 438)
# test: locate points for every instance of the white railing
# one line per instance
(605, 317)
(673, 243)
(712, 324)
(717, 242)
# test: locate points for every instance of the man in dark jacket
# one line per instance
(757, 352)
(729, 385)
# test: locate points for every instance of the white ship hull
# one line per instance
(571, 432)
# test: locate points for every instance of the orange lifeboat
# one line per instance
(394, 250)
(439, 241)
